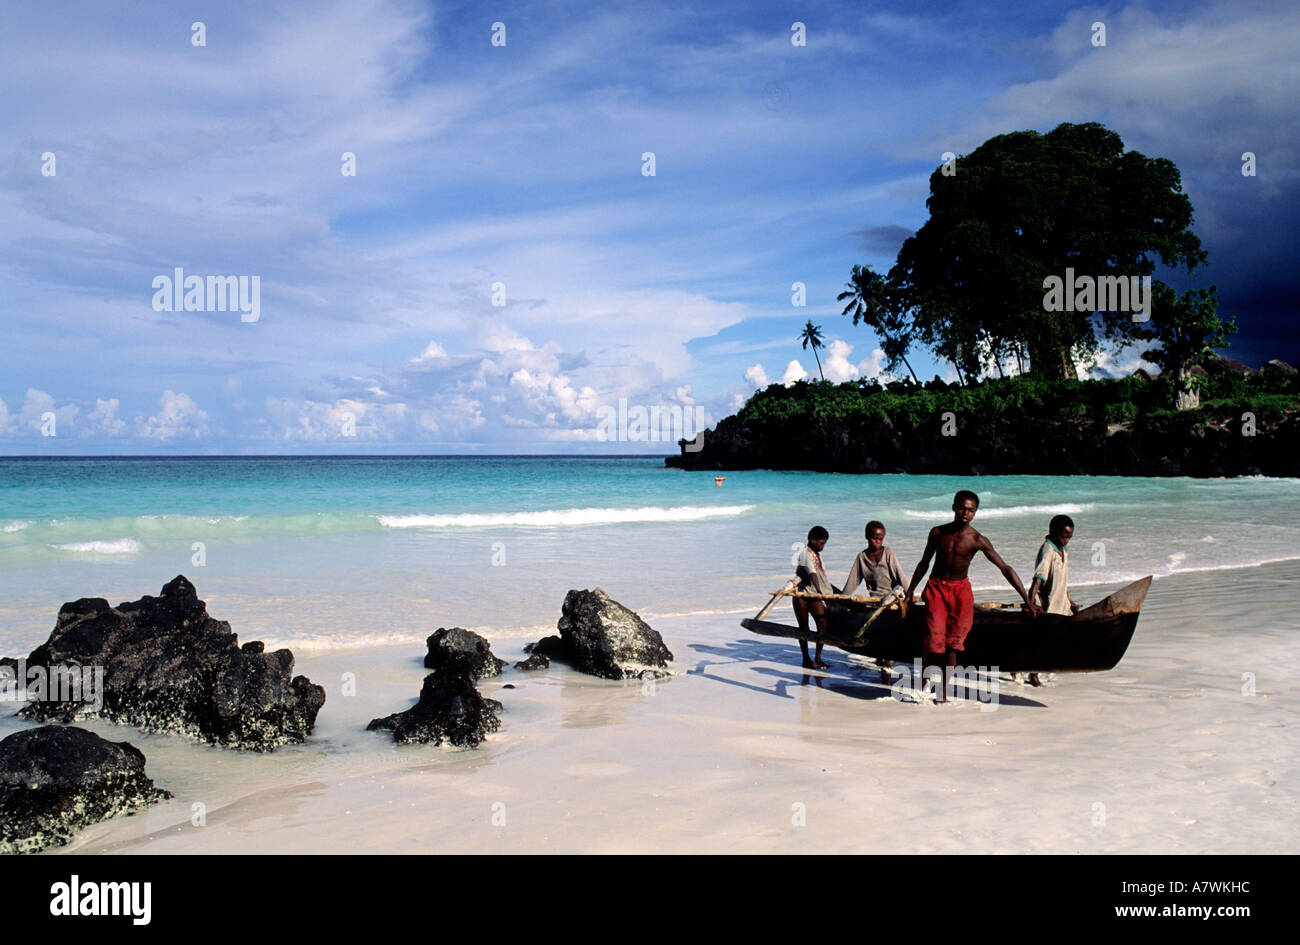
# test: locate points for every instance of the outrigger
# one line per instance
(1003, 635)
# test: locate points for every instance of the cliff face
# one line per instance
(1008, 439)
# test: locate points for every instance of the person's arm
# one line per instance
(1035, 586)
(931, 543)
(855, 575)
(1042, 567)
(1009, 573)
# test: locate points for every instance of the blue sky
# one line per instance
(522, 165)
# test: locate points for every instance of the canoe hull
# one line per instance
(1093, 640)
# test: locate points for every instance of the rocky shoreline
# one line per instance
(164, 665)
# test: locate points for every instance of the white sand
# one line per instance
(1163, 754)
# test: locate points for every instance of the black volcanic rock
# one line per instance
(462, 652)
(534, 662)
(547, 646)
(604, 638)
(55, 780)
(449, 709)
(169, 667)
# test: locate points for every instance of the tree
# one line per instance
(1188, 329)
(1025, 206)
(877, 305)
(812, 335)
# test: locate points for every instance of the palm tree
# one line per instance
(877, 304)
(812, 335)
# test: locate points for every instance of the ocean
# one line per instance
(338, 552)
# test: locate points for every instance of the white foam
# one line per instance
(16, 526)
(1066, 508)
(121, 546)
(552, 518)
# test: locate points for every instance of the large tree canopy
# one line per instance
(1025, 206)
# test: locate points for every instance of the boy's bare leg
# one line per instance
(927, 660)
(801, 615)
(818, 663)
(949, 663)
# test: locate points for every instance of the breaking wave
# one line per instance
(121, 546)
(558, 518)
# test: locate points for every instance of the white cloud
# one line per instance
(793, 372)
(873, 365)
(1109, 364)
(756, 375)
(103, 420)
(431, 351)
(178, 416)
(551, 396)
(836, 365)
(38, 404)
(341, 421)
(498, 337)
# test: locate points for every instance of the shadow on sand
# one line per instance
(854, 678)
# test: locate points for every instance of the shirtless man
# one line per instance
(949, 604)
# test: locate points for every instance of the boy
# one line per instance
(1050, 587)
(949, 604)
(812, 577)
(877, 568)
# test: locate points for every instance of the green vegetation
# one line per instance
(1267, 393)
(1188, 330)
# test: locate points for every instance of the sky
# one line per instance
(502, 270)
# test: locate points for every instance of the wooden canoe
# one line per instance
(1005, 637)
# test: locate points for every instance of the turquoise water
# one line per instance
(341, 551)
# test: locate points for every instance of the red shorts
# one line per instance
(949, 610)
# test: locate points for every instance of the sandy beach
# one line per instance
(743, 751)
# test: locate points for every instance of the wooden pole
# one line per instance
(790, 585)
